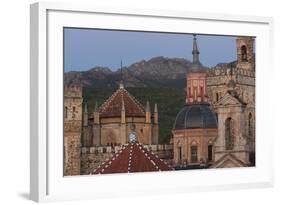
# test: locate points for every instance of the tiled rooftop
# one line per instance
(112, 107)
(133, 157)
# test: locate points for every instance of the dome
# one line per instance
(195, 116)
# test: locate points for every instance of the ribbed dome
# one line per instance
(196, 116)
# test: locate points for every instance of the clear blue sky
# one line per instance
(87, 48)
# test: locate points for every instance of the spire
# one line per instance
(155, 114)
(195, 51)
(147, 108)
(121, 86)
(85, 107)
(147, 113)
(96, 107)
(196, 65)
(96, 114)
(155, 108)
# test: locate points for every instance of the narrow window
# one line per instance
(65, 112)
(201, 92)
(229, 137)
(250, 125)
(210, 152)
(217, 97)
(73, 112)
(244, 53)
(180, 153)
(194, 154)
(195, 93)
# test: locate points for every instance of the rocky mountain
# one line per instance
(156, 72)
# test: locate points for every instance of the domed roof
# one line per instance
(195, 116)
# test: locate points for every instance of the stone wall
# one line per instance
(92, 157)
(72, 154)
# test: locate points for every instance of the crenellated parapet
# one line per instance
(73, 90)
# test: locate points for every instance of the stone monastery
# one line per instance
(215, 128)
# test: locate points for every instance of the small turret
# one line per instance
(155, 114)
(96, 114)
(147, 113)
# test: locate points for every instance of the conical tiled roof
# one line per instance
(113, 105)
(133, 157)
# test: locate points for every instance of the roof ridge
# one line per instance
(156, 156)
(103, 106)
(130, 159)
(123, 94)
(135, 100)
(108, 162)
(149, 158)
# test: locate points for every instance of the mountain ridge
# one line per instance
(154, 72)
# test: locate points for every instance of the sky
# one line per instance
(88, 48)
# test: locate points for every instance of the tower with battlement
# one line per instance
(72, 128)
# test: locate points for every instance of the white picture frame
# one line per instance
(46, 177)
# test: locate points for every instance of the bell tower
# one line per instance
(196, 78)
(245, 53)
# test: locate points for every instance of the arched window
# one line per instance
(244, 53)
(201, 92)
(229, 136)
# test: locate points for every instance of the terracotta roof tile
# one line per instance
(133, 157)
(112, 107)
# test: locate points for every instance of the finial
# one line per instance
(121, 86)
(96, 107)
(86, 108)
(155, 108)
(147, 109)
